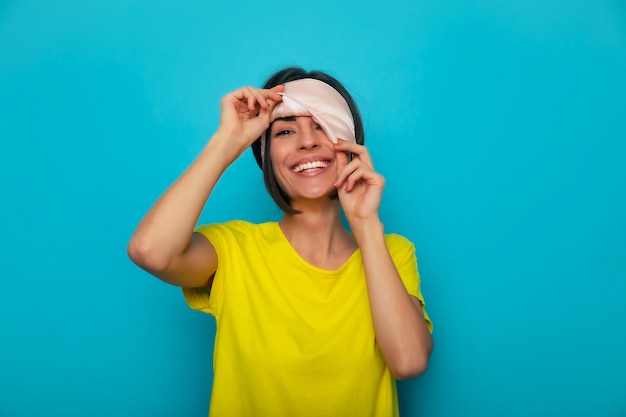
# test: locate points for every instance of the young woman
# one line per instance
(312, 319)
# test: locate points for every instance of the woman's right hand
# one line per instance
(164, 243)
(245, 114)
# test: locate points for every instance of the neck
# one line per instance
(318, 235)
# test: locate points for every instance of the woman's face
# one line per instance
(303, 158)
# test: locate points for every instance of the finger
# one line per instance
(273, 101)
(357, 172)
(268, 95)
(267, 98)
(248, 97)
(357, 176)
(347, 171)
(275, 90)
(352, 180)
(357, 150)
(342, 162)
(242, 98)
(255, 97)
(265, 113)
(272, 97)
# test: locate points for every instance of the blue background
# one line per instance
(499, 126)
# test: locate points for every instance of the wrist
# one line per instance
(366, 229)
(228, 145)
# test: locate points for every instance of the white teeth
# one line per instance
(310, 165)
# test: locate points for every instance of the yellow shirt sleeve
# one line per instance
(402, 252)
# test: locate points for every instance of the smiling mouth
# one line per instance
(310, 165)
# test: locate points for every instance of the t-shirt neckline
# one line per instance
(300, 259)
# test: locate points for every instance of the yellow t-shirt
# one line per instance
(293, 339)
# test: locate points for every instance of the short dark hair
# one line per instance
(291, 74)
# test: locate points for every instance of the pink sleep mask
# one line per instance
(315, 98)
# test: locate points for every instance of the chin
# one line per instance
(321, 197)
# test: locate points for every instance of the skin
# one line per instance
(165, 245)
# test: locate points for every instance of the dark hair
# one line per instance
(291, 74)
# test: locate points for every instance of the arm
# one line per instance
(399, 324)
(164, 243)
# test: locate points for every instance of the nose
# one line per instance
(311, 135)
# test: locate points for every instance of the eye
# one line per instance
(283, 132)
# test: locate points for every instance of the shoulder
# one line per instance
(401, 249)
(229, 226)
(398, 242)
(235, 229)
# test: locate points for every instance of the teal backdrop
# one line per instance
(499, 126)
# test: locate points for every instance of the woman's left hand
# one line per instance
(359, 187)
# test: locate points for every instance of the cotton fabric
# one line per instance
(293, 339)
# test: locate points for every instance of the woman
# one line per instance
(312, 319)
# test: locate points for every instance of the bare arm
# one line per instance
(399, 324)
(401, 330)
(164, 243)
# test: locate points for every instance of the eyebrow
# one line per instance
(286, 119)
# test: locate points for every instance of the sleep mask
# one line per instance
(315, 98)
